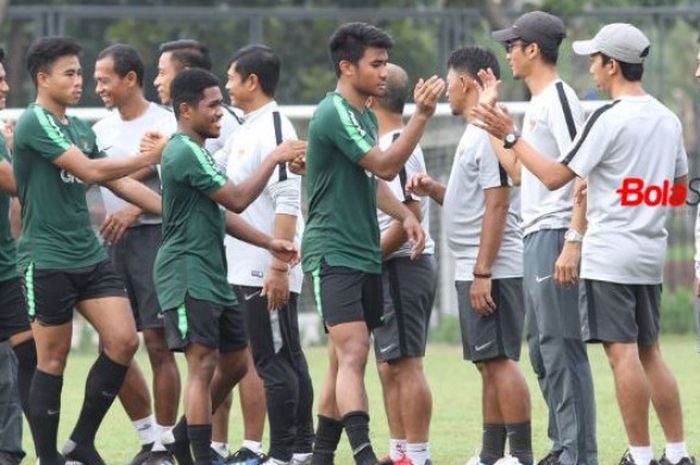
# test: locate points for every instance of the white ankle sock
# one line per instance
(397, 447)
(418, 452)
(221, 448)
(146, 430)
(676, 451)
(255, 446)
(642, 455)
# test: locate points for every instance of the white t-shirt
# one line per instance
(546, 129)
(242, 155)
(120, 139)
(414, 164)
(633, 137)
(475, 168)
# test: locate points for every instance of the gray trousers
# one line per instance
(557, 352)
(10, 408)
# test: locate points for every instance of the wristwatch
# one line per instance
(573, 236)
(510, 139)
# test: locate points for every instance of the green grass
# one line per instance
(456, 424)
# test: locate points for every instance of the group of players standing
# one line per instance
(365, 248)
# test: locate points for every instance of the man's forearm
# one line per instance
(284, 228)
(552, 173)
(400, 150)
(241, 229)
(249, 190)
(137, 194)
(492, 229)
(578, 213)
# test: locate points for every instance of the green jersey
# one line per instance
(342, 226)
(56, 231)
(191, 259)
(8, 251)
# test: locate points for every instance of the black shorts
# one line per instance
(496, 335)
(612, 312)
(133, 258)
(269, 332)
(52, 294)
(345, 295)
(13, 309)
(409, 292)
(206, 323)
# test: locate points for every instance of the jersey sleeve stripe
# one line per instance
(50, 128)
(586, 130)
(351, 129)
(206, 163)
(571, 126)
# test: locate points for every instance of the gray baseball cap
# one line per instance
(539, 27)
(620, 41)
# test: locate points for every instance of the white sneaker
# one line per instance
(508, 460)
(271, 461)
(301, 459)
(474, 460)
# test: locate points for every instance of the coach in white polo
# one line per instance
(624, 248)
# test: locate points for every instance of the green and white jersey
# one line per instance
(8, 251)
(191, 259)
(342, 226)
(56, 231)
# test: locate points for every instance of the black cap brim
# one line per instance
(505, 35)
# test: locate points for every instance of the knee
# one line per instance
(354, 354)
(622, 356)
(649, 355)
(121, 346)
(157, 349)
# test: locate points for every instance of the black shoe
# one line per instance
(142, 455)
(627, 459)
(9, 459)
(550, 459)
(161, 457)
(85, 454)
(181, 451)
(684, 461)
(245, 456)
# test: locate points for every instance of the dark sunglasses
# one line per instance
(511, 43)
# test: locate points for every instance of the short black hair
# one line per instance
(396, 91)
(125, 59)
(188, 53)
(188, 87)
(350, 40)
(44, 52)
(262, 61)
(471, 59)
(630, 71)
(549, 54)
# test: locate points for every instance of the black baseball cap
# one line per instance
(544, 29)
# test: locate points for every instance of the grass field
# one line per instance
(456, 424)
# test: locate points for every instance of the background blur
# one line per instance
(425, 32)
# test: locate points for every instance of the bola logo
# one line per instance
(635, 192)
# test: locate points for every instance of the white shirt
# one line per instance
(475, 168)
(120, 139)
(634, 137)
(242, 155)
(545, 128)
(414, 164)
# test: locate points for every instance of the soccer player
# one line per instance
(265, 287)
(341, 239)
(553, 229)
(409, 291)
(64, 265)
(634, 137)
(201, 317)
(17, 349)
(134, 237)
(176, 56)
(485, 238)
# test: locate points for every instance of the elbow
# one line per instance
(554, 183)
(93, 177)
(386, 174)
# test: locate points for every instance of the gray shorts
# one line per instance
(409, 291)
(499, 334)
(133, 258)
(612, 312)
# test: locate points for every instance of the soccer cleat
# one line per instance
(82, 454)
(245, 456)
(302, 459)
(179, 449)
(684, 461)
(508, 460)
(627, 459)
(550, 459)
(142, 455)
(160, 458)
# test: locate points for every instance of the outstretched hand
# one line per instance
(496, 120)
(427, 93)
(285, 251)
(420, 184)
(489, 87)
(152, 145)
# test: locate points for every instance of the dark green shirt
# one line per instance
(191, 258)
(342, 226)
(56, 231)
(8, 251)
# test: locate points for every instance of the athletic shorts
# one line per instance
(206, 323)
(53, 294)
(268, 332)
(133, 258)
(409, 292)
(346, 295)
(612, 312)
(499, 334)
(13, 309)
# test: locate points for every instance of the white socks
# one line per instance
(419, 452)
(642, 455)
(255, 446)
(397, 447)
(146, 429)
(676, 451)
(221, 448)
